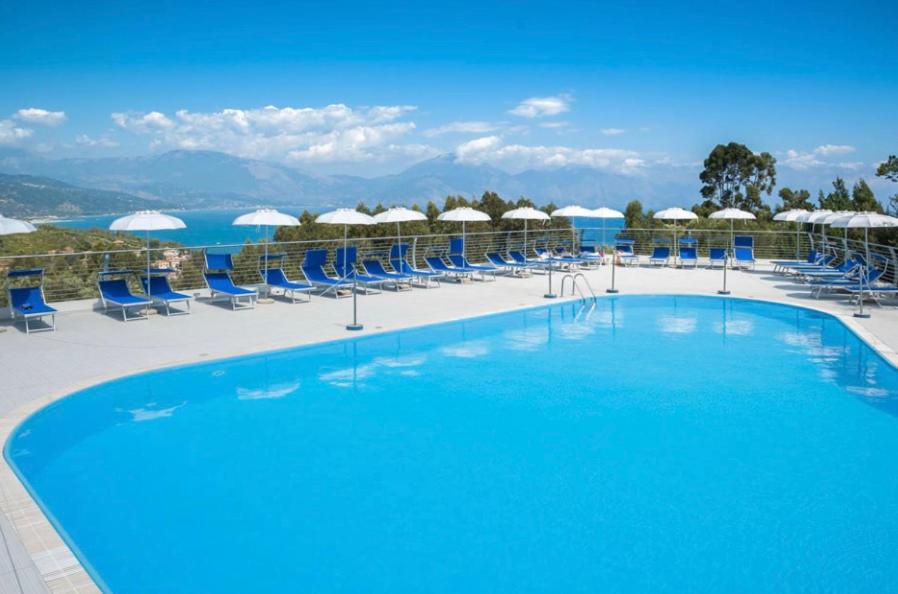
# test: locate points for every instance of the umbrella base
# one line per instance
(862, 315)
(355, 327)
(612, 291)
(722, 292)
(550, 295)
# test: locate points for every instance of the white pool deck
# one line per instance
(90, 347)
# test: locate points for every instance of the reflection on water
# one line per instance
(677, 324)
(140, 415)
(734, 327)
(467, 350)
(278, 390)
(526, 339)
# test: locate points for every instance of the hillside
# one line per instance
(31, 196)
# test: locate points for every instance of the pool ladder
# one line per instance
(576, 287)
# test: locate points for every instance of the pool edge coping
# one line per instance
(59, 567)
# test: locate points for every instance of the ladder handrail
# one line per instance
(576, 287)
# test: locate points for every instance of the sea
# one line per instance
(214, 227)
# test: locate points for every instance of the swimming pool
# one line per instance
(649, 444)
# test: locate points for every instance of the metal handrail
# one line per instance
(575, 286)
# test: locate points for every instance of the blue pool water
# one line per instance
(679, 444)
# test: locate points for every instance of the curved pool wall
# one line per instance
(650, 443)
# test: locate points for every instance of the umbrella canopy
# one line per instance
(526, 213)
(675, 214)
(865, 221)
(463, 214)
(146, 221)
(345, 216)
(732, 214)
(790, 216)
(266, 217)
(573, 211)
(14, 226)
(815, 216)
(399, 214)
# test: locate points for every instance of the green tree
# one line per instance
(793, 199)
(633, 215)
(889, 170)
(838, 199)
(730, 170)
(863, 199)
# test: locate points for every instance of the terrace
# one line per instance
(90, 347)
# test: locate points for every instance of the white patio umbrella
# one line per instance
(464, 215)
(347, 217)
(266, 217)
(606, 213)
(571, 212)
(676, 214)
(526, 213)
(399, 214)
(865, 221)
(793, 216)
(15, 226)
(812, 217)
(833, 217)
(146, 221)
(732, 215)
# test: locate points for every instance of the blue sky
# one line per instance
(370, 88)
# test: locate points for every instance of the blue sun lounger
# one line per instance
(276, 278)
(313, 268)
(508, 266)
(114, 292)
(344, 265)
(399, 262)
(623, 251)
(688, 257)
(813, 258)
(744, 257)
(660, 255)
(399, 281)
(28, 303)
(437, 264)
(534, 263)
(218, 280)
(458, 259)
(161, 294)
(717, 257)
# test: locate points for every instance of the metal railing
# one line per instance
(72, 276)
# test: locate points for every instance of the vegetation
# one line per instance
(31, 196)
(735, 177)
(888, 169)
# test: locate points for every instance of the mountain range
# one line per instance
(204, 179)
(208, 179)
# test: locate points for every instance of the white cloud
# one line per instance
(88, 141)
(851, 165)
(517, 157)
(556, 125)
(803, 160)
(462, 127)
(36, 115)
(834, 149)
(11, 134)
(333, 133)
(538, 107)
(613, 131)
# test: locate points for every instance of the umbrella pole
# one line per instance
(149, 290)
(861, 278)
(797, 241)
(605, 244)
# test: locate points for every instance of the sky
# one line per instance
(370, 88)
